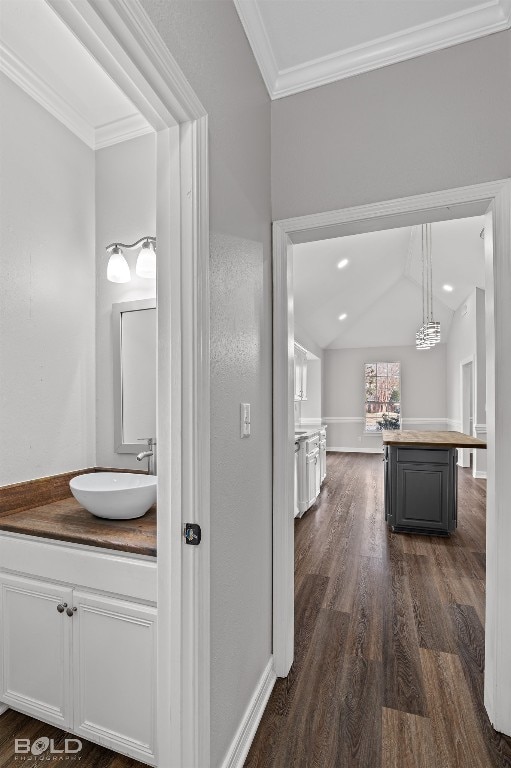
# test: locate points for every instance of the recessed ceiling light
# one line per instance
(342, 263)
(343, 316)
(448, 288)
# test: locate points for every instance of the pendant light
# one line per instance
(429, 333)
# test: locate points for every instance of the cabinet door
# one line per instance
(423, 496)
(35, 669)
(312, 477)
(114, 672)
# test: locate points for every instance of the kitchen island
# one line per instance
(421, 477)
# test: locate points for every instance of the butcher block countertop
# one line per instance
(437, 439)
(67, 520)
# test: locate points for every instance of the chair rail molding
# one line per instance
(493, 199)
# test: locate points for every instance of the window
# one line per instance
(382, 396)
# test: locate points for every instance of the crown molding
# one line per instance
(255, 30)
(124, 129)
(479, 21)
(28, 80)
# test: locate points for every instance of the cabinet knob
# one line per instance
(70, 611)
(61, 607)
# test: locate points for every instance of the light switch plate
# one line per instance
(245, 419)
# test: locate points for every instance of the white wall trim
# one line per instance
(128, 127)
(124, 129)
(351, 449)
(480, 429)
(238, 751)
(30, 82)
(454, 425)
(255, 30)
(360, 420)
(3, 708)
(480, 474)
(343, 419)
(452, 29)
(496, 199)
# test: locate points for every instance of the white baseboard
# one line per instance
(3, 708)
(238, 751)
(361, 449)
(480, 474)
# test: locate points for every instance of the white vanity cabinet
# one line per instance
(114, 672)
(76, 654)
(35, 673)
(300, 368)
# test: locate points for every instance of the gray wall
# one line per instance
(430, 123)
(423, 392)
(46, 293)
(209, 44)
(125, 210)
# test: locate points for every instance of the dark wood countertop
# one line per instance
(67, 520)
(406, 438)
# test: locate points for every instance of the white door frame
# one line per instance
(467, 414)
(495, 199)
(123, 40)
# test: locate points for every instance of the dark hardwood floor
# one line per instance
(389, 638)
(13, 725)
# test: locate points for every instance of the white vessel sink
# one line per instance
(115, 495)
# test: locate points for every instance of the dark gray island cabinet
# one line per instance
(421, 479)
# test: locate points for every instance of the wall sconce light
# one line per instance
(118, 270)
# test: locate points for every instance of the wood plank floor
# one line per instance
(389, 647)
(13, 725)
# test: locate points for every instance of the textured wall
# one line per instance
(207, 40)
(125, 210)
(438, 121)
(46, 293)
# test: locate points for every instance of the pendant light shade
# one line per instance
(429, 333)
(118, 270)
(146, 261)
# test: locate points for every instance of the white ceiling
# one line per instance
(300, 44)
(380, 288)
(44, 58)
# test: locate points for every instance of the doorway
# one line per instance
(122, 40)
(467, 409)
(494, 201)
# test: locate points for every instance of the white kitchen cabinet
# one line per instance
(114, 673)
(35, 668)
(300, 367)
(91, 672)
(312, 470)
(322, 454)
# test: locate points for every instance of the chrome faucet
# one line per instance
(150, 454)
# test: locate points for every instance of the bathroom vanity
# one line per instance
(78, 623)
(421, 476)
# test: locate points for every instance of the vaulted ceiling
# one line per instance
(379, 289)
(300, 44)
(46, 60)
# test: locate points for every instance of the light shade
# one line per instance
(118, 270)
(146, 261)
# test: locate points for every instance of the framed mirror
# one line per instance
(134, 373)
